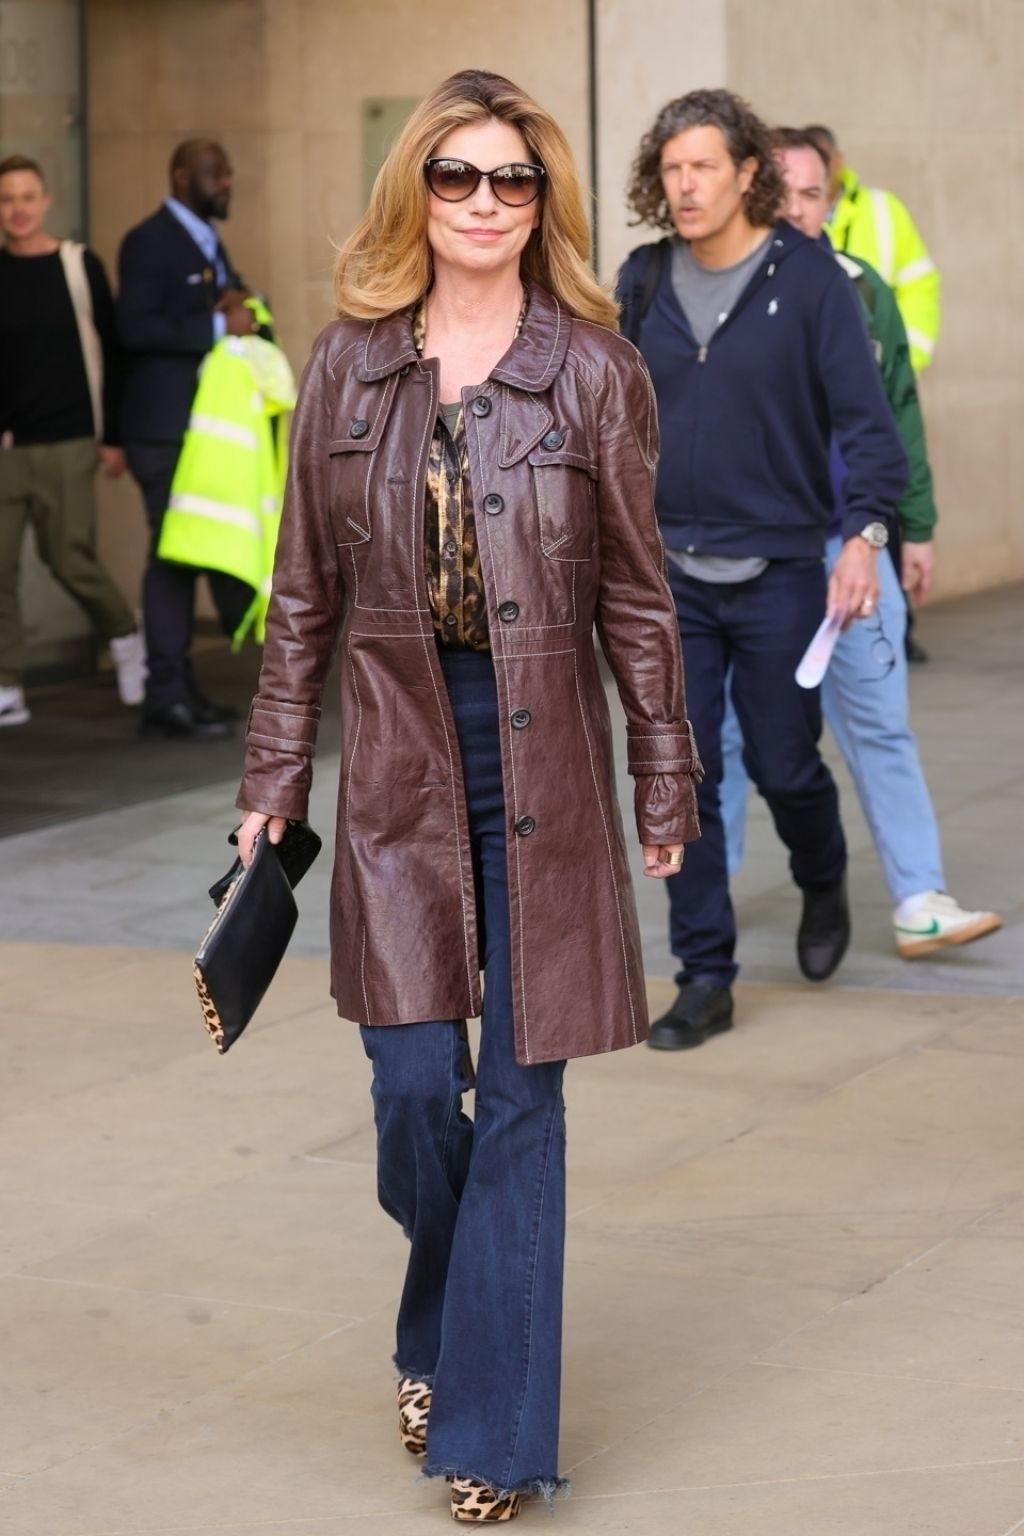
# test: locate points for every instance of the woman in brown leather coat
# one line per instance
(471, 492)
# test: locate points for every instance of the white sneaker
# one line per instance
(939, 923)
(128, 653)
(13, 709)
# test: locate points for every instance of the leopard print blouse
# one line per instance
(455, 585)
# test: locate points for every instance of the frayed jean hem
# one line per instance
(427, 1378)
(547, 1488)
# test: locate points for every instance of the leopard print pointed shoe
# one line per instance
(413, 1412)
(473, 1501)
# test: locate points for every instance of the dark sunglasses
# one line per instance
(455, 180)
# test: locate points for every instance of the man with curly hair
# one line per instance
(759, 355)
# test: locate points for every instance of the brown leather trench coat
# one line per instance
(563, 441)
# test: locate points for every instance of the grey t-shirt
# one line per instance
(706, 296)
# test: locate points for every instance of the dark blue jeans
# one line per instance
(760, 628)
(482, 1201)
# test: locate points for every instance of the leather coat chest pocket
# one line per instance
(350, 466)
(564, 486)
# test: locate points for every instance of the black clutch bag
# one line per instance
(244, 945)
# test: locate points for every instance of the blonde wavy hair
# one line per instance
(386, 264)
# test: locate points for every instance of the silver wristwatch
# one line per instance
(875, 534)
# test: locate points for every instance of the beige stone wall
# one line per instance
(282, 83)
(925, 95)
(926, 98)
(161, 71)
(646, 54)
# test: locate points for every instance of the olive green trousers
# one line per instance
(51, 486)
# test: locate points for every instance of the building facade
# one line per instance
(305, 94)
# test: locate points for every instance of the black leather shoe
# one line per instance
(700, 1010)
(179, 722)
(208, 713)
(824, 933)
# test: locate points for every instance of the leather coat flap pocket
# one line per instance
(576, 456)
(362, 432)
(350, 463)
(349, 504)
(524, 421)
(564, 487)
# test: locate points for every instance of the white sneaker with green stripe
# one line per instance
(939, 923)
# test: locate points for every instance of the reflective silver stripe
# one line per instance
(217, 512)
(883, 232)
(914, 270)
(919, 340)
(230, 431)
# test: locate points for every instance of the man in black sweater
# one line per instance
(58, 414)
(179, 294)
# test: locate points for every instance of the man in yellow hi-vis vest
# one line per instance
(225, 500)
(873, 224)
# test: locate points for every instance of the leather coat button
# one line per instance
(525, 825)
(359, 428)
(493, 503)
(521, 719)
(450, 620)
(552, 440)
(508, 613)
(451, 548)
(481, 406)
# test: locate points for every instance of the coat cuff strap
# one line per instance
(283, 727)
(666, 752)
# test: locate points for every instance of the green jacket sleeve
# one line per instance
(917, 510)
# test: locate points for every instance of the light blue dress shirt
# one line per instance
(205, 236)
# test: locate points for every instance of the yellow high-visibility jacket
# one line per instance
(228, 486)
(874, 225)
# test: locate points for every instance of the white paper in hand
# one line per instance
(815, 660)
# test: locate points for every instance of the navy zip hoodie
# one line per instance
(746, 421)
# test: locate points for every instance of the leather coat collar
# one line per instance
(531, 363)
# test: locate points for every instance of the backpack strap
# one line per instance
(652, 262)
(72, 256)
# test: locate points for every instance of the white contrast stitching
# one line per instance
(387, 634)
(335, 361)
(355, 742)
(519, 876)
(529, 655)
(422, 637)
(566, 623)
(517, 378)
(362, 977)
(608, 845)
(382, 367)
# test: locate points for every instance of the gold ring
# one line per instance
(672, 858)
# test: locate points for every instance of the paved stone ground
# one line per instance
(795, 1284)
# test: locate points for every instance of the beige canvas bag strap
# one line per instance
(72, 257)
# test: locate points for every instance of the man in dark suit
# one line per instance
(179, 294)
